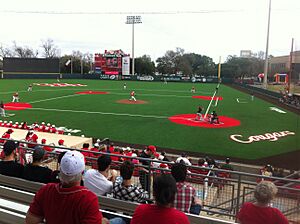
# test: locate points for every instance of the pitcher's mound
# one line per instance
(132, 101)
(91, 92)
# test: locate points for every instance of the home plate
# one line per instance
(189, 120)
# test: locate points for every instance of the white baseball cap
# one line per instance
(72, 163)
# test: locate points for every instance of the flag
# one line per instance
(68, 62)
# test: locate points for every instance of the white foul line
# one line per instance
(60, 97)
(54, 98)
(98, 112)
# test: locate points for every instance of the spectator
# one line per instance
(157, 158)
(260, 212)
(24, 125)
(8, 166)
(94, 150)
(42, 127)
(165, 158)
(162, 212)
(185, 199)
(6, 135)
(183, 158)
(85, 147)
(60, 144)
(52, 129)
(111, 147)
(126, 190)
(100, 181)
(55, 173)
(46, 147)
(67, 202)
(227, 165)
(267, 171)
(36, 171)
(278, 172)
(144, 176)
(31, 138)
(127, 152)
(116, 158)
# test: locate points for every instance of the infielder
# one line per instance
(29, 88)
(15, 97)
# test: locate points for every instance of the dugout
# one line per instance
(30, 68)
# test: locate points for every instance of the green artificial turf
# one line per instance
(101, 116)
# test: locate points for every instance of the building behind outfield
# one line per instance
(281, 64)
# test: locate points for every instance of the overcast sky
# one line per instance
(209, 27)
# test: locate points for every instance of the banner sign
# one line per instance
(256, 138)
(145, 78)
(126, 77)
(111, 73)
(125, 65)
(172, 78)
(108, 77)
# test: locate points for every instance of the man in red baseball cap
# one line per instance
(61, 142)
(46, 147)
(144, 175)
(152, 148)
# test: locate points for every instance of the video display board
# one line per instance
(30, 65)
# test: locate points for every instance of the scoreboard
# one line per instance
(31, 66)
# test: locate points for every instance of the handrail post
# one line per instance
(149, 180)
(238, 197)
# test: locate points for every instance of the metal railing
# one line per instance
(222, 196)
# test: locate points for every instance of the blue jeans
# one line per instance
(195, 209)
(117, 221)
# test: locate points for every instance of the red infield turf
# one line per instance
(91, 92)
(207, 97)
(17, 106)
(189, 120)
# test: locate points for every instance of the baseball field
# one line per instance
(163, 115)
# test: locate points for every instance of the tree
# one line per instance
(169, 63)
(201, 65)
(49, 49)
(24, 52)
(144, 65)
(244, 67)
(6, 52)
(79, 61)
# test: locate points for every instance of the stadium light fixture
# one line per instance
(133, 20)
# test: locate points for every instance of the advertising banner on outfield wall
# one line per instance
(109, 77)
(128, 77)
(125, 65)
(145, 78)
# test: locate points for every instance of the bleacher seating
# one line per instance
(26, 189)
(222, 193)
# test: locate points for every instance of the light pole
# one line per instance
(133, 20)
(265, 83)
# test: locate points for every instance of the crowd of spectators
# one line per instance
(291, 99)
(102, 180)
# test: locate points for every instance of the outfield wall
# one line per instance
(144, 78)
